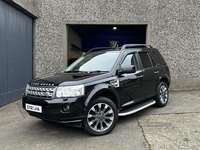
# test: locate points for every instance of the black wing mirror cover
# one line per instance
(127, 69)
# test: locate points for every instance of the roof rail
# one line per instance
(135, 45)
(100, 48)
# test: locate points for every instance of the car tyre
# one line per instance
(162, 95)
(101, 117)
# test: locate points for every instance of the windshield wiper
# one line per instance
(96, 71)
(75, 71)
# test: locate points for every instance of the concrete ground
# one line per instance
(174, 127)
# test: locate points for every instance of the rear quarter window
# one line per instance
(145, 58)
(158, 57)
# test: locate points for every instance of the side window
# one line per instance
(152, 60)
(130, 59)
(159, 57)
(145, 58)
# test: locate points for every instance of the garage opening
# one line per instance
(82, 38)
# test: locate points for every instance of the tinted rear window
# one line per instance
(158, 57)
(146, 62)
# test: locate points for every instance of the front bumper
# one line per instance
(55, 109)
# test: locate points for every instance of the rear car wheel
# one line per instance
(162, 95)
(101, 117)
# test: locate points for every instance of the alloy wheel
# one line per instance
(100, 117)
(163, 94)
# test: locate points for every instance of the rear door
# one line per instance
(151, 73)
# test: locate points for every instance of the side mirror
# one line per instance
(126, 69)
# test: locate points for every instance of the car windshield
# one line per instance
(94, 61)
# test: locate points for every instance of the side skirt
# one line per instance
(137, 108)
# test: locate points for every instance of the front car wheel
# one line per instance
(101, 117)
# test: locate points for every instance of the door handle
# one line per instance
(156, 72)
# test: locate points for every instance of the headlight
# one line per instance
(70, 91)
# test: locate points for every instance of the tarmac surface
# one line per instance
(174, 127)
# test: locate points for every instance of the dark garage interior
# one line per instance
(101, 35)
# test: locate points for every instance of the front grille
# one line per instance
(46, 92)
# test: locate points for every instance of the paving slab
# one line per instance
(172, 131)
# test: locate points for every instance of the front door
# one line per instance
(131, 84)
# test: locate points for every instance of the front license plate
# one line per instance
(34, 108)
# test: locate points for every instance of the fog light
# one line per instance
(65, 108)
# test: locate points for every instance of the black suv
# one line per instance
(100, 86)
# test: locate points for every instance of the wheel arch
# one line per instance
(103, 90)
(165, 80)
